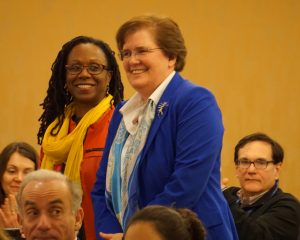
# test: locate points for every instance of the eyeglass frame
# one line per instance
(135, 52)
(67, 66)
(266, 162)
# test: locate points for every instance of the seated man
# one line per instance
(261, 210)
(49, 206)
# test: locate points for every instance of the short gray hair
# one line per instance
(44, 175)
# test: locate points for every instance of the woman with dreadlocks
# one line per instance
(84, 88)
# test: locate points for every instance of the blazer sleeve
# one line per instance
(105, 221)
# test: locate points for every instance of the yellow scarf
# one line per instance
(68, 147)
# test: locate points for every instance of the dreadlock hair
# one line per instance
(57, 95)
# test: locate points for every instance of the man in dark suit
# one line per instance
(261, 210)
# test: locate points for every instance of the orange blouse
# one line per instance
(93, 147)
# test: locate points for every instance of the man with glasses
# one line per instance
(261, 210)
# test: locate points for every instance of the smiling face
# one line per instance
(254, 181)
(146, 72)
(86, 89)
(46, 211)
(17, 167)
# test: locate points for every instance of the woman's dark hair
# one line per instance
(277, 150)
(170, 223)
(166, 34)
(23, 149)
(57, 95)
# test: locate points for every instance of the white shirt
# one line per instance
(134, 108)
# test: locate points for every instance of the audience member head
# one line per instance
(49, 206)
(16, 160)
(165, 32)
(163, 223)
(258, 160)
(94, 60)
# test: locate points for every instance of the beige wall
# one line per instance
(247, 52)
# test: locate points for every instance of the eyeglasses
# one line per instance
(92, 69)
(258, 164)
(139, 51)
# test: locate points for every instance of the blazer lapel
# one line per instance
(161, 110)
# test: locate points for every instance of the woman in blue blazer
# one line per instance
(164, 143)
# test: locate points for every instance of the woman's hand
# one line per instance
(8, 213)
(111, 236)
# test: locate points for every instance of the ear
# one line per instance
(236, 169)
(278, 167)
(172, 62)
(237, 172)
(78, 218)
(109, 76)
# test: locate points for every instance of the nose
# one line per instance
(251, 168)
(84, 73)
(19, 177)
(44, 223)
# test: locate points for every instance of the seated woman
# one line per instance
(164, 223)
(16, 160)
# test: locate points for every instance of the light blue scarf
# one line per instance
(121, 177)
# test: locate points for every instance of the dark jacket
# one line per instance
(274, 216)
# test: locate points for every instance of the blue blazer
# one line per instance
(180, 162)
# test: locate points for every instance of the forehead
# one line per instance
(142, 230)
(43, 194)
(17, 160)
(86, 51)
(140, 37)
(256, 149)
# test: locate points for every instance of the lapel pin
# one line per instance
(161, 108)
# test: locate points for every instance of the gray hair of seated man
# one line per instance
(43, 175)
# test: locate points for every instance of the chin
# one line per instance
(13, 192)
(253, 190)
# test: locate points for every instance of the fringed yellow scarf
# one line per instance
(68, 147)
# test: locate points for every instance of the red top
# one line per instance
(93, 148)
